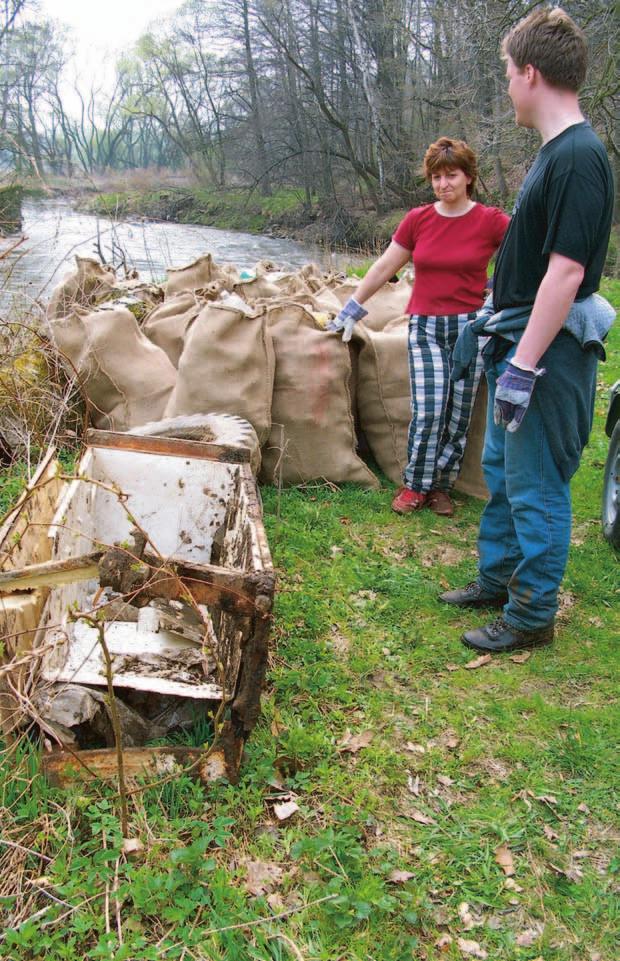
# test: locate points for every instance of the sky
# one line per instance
(111, 25)
(100, 32)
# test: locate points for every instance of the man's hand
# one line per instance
(347, 318)
(513, 393)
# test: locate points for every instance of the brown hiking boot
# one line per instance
(440, 503)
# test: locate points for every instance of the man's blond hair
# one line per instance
(551, 41)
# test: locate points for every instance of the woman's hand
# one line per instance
(347, 318)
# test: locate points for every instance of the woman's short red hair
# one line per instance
(448, 154)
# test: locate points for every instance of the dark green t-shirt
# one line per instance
(565, 206)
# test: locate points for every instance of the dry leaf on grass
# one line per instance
(413, 785)
(415, 748)
(583, 808)
(478, 662)
(527, 938)
(469, 920)
(399, 877)
(443, 942)
(504, 859)
(285, 810)
(511, 885)
(453, 667)
(420, 817)
(471, 948)
(550, 834)
(572, 873)
(352, 743)
(520, 658)
(445, 780)
(262, 877)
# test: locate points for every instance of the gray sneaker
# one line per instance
(472, 595)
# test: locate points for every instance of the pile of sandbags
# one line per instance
(253, 344)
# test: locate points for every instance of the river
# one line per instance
(55, 232)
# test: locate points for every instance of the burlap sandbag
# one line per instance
(383, 394)
(83, 287)
(227, 366)
(168, 324)
(384, 405)
(127, 379)
(312, 435)
(258, 288)
(471, 479)
(389, 302)
(198, 274)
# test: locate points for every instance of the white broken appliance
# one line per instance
(149, 570)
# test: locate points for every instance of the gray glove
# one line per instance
(513, 393)
(347, 318)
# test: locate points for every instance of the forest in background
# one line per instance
(336, 99)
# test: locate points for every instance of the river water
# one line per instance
(55, 233)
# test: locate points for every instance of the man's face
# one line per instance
(519, 91)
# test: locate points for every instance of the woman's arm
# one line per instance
(388, 264)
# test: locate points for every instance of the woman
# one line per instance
(451, 242)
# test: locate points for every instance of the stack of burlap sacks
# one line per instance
(252, 344)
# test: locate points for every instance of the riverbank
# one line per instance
(282, 214)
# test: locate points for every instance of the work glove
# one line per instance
(347, 318)
(513, 393)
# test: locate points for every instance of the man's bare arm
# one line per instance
(554, 299)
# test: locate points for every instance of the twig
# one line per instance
(116, 726)
(20, 847)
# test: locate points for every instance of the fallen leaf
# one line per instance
(415, 748)
(453, 667)
(550, 834)
(527, 938)
(445, 780)
(520, 658)
(452, 742)
(399, 877)
(285, 810)
(443, 942)
(478, 662)
(472, 948)
(583, 808)
(132, 845)
(352, 743)
(262, 877)
(275, 902)
(468, 919)
(413, 785)
(572, 873)
(504, 859)
(545, 798)
(511, 885)
(421, 818)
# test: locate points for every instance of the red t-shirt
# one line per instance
(450, 256)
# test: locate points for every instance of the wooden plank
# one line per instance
(62, 768)
(170, 446)
(206, 583)
(51, 573)
(23, 535)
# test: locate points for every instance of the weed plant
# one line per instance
(444, 811)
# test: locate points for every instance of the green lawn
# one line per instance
(443, 812)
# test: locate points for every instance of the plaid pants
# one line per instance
(440, 409)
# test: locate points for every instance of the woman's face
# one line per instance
(450, 185)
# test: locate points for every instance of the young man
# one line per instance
(543, 350)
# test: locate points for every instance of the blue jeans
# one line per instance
(526, 524)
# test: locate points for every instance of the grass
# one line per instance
(453, 764)
(225, 209)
